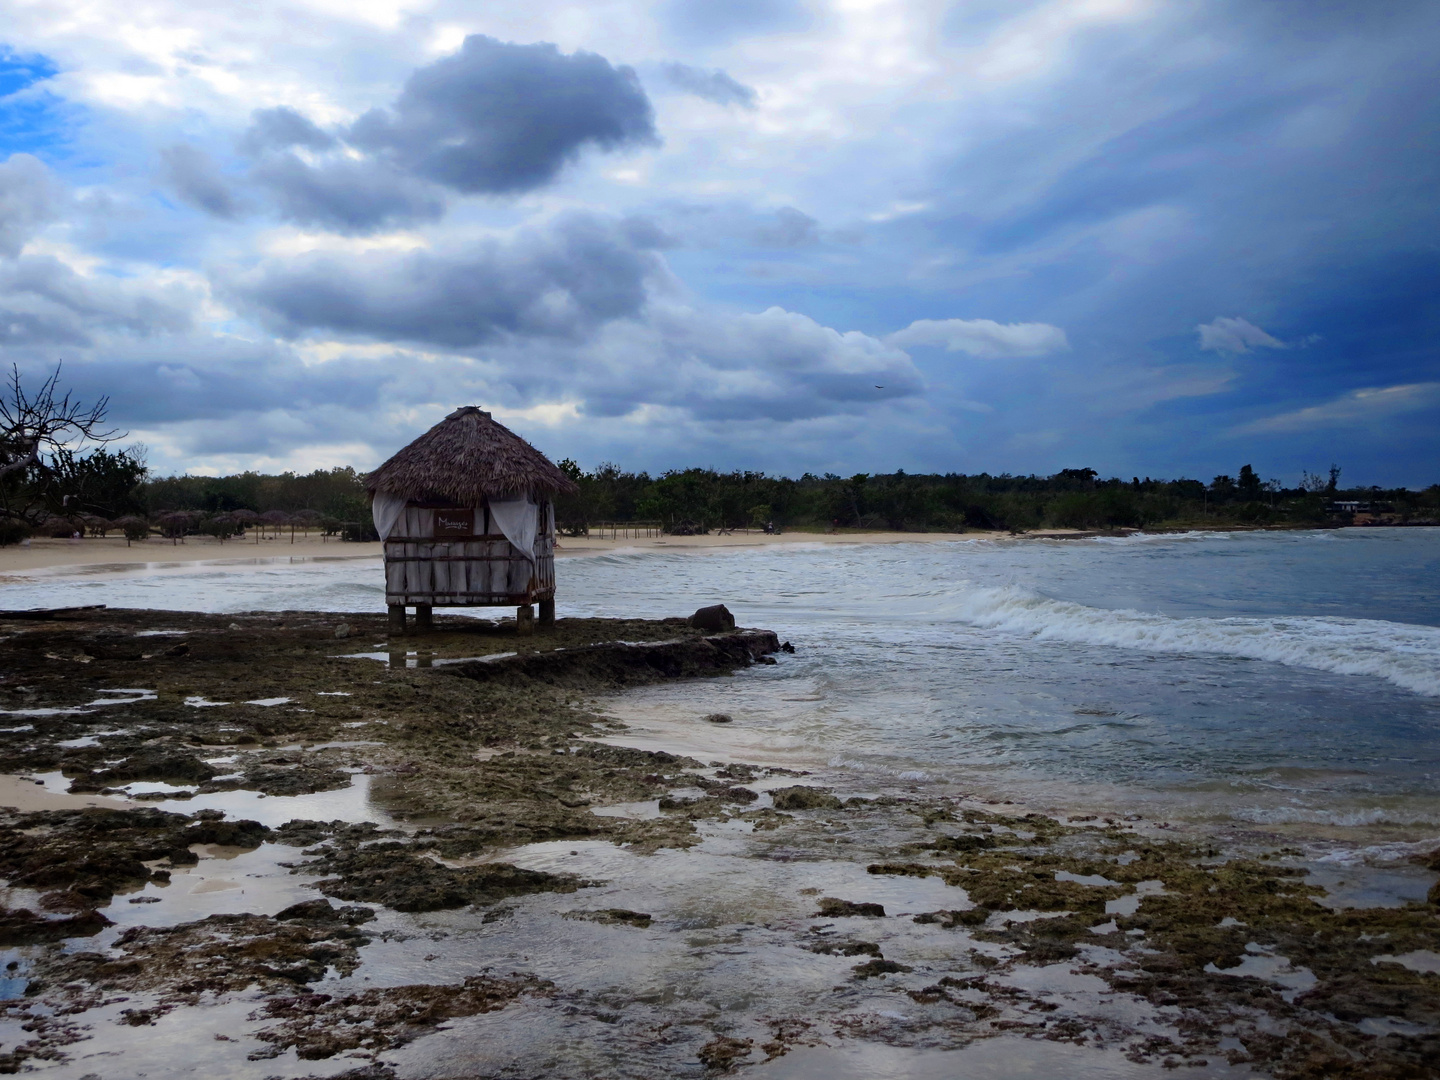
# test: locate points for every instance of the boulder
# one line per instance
(717, 619)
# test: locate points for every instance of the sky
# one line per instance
(1150, 237)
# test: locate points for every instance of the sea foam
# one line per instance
(1404, 654)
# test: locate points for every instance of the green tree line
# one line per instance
(705, 499)
(69, 491)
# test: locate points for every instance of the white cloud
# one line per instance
(1236, 335)
(984, 338)
(1356, 407)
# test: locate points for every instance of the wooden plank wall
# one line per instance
(481, 571)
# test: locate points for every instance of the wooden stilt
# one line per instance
(547, 612)
(397, 618)
(525, 620)
(423, 620)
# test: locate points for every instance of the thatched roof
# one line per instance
(464, 458)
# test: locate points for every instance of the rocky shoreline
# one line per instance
(491, 819)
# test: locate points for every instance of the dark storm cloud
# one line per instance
(195, 178)
(713, 86)
(494, 118)
(558, 282)
(501, 118)
(346, 196)
(281, 129)
(28, 198)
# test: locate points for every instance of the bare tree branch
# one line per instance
(45, 422)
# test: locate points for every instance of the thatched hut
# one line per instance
(467, 518)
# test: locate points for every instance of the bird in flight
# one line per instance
(879, 387)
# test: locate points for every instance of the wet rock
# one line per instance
(716, 619)
(801, 797)
(612, 916)
(322, 911)
(786, 647)
(154, 764)
(211, 828)
(21, 926)
(717, 718)
(617, 664)
(901, 869)
(220, 954)
(834, 908)
(846, 948)
(963, 842)
(388, 873)
(343, 630)
(872, 968)
(95, 852)
(305, 779)
(723, 1052)
(304, 832)
(950, 920)
(319, 1026)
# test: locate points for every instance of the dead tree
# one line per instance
(32, 425)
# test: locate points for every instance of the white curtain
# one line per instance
(386, 510)
(519, 520)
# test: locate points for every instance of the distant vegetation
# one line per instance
(111, 492)
(49, 487)
(702, 499)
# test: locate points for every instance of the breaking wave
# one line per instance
(1404, 654)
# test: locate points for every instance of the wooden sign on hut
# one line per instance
(467, 518)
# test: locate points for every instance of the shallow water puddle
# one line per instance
(645, 810)
(351, 803)
(89, 740)
(1130, 903)
(1364, 886)
(1419, 960)
(131, 697)
(211, 1040)
(224, 881)
(1261, 964)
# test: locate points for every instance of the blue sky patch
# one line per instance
(31, 117)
